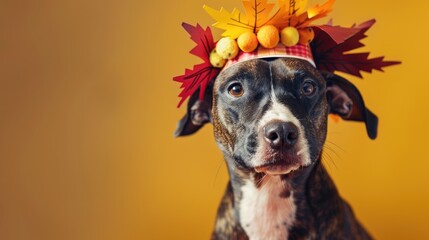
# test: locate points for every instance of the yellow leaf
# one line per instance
(317, 12)
(280, 18)
(305, 19)
(297, 6)
(258, 12)
(286, 11)
(234, 23)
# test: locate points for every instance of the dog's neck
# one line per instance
(267, 208)
(277, 207)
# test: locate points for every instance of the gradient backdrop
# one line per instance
(88, 110)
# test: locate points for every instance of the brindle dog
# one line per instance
(270, 122)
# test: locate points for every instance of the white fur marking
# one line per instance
(265, 215)
(280, 112)
(300, 152)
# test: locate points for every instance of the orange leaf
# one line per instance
(257, 12)
(314, 13)
(320, 10)
(280, 18)
(287, 9)
(335, 118)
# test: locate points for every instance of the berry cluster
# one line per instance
(268, 36)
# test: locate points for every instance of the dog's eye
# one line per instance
(308, 88)
(236, 90)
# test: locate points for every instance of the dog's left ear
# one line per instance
(345, 100)
(198, 113)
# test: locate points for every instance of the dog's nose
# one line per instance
(281, 134)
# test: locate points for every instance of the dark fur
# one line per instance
(320, 213)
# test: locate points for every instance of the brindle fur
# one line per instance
(320, 212)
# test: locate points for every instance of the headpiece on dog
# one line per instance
(269, 30)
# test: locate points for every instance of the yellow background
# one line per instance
(88, 110)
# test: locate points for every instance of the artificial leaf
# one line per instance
(197, 78)
(316, 11)
(203, 39)
(201, 74)
(354, 41)
(234, 23)
(312, 14)
(333, 37)
(340, 34)
(280, 18)
(331, 44)
(298, 6)
(287, 10)
(257, 12)
(354, 63)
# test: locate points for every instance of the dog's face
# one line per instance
(270, 116)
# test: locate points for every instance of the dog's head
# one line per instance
(270, 116)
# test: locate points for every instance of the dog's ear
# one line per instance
(345, 100)
(198, 113)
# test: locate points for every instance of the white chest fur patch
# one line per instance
(264, 213)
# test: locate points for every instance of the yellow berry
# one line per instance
(289, 36)
(268, 36)
(227, 48)
(247, 42)
(216, 60)
(306, 35)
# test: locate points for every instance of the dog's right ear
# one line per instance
(346, 101)
(198, 113)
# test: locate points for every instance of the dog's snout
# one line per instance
(281, 134)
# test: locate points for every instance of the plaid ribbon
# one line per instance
(297, 51)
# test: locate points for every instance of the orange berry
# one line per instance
(247, 42)
(306, 35)
(268, 36)
(289, 36)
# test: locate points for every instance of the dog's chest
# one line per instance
(267, 212)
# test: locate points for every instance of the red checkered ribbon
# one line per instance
(297, 51)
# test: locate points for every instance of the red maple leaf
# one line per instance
(202, 73)
(332, 44)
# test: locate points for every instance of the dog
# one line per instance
(270, 122)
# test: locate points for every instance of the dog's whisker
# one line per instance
(217, 171)
(267, 182)
(334, 144)
(259, 181)
(327, 147)
(330, 146)
(329, 157)
(327, 163)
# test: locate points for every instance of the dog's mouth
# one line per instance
(281, 165)
(277, 169)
